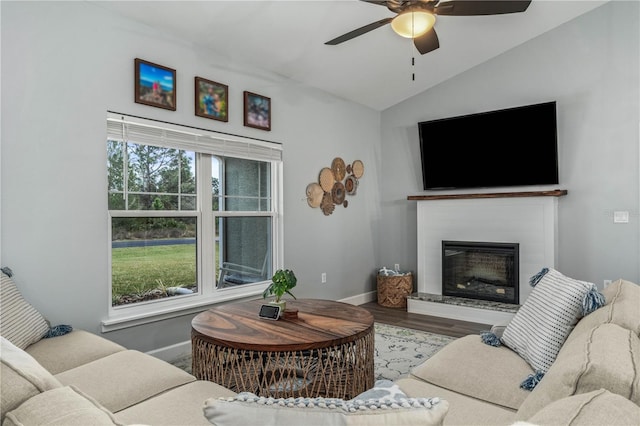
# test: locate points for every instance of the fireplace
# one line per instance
(481, 270)
(529, 218)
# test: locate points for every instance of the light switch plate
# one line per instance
(621, 217)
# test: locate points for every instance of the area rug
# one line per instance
(397, 350)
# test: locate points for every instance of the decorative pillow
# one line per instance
(542, 324)
(20, 322)
(383, 390)
(246, 408)
(66, 406)
(26, 366)
(22, 377)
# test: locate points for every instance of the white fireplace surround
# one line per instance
(523, 218)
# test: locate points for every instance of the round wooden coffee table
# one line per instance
(326, 351)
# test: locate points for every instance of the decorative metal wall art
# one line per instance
(334, 184)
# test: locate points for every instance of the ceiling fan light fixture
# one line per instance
(412, 24)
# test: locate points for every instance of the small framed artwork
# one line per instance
(257, 111)
(155, 85)
(211, 99)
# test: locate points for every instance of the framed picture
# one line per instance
(155, 85)
(211, 99)
(257, 111)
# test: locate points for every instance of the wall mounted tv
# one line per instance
(507, 147)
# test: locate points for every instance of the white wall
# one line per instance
(590, 67)
(64, 64)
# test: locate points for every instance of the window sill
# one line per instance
(136, 317)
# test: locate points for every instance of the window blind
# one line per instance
(148, 132)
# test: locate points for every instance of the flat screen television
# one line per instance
(501, 148)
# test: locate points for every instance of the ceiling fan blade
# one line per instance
(480, 7)
(359, 31)
(378, 2)
(427, 42)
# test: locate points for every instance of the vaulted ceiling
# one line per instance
(286, 38)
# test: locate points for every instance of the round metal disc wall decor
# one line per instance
(327, 205)
(339, 168)
(357, 169)
(334, 184)
(351, 185)
(326, 179)
(314, 195)
(337, 193)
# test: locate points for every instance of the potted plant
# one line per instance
(282, 282)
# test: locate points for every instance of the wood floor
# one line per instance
(401, 318)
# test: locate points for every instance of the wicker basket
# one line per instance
(394, 289)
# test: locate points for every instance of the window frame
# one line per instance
(215, 144)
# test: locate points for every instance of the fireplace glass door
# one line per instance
(481, 270)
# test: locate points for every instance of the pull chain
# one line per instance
(413, 64)
(413, 58)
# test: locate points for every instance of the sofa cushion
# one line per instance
(58, 354)
(125, 378)
(22, 377)
(464, 410)
(596, 408)
(542, 324)
(20, 322)
(179, 406)
(472, 368)
(247, 408)
(65, 406)
(622, 306)
(607, 358)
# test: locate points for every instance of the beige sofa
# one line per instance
(595, 379)
(81, 378)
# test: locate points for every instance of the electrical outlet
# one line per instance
(396, 267)
(323, 277)
(606, 283)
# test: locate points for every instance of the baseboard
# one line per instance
(361, 299)
(169, 353)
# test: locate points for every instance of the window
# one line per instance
(244, 240)
(193, 216)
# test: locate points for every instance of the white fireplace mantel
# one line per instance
(526, 218)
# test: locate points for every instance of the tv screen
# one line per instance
(507, 147)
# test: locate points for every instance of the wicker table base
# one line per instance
(334, 360)
(337, 372)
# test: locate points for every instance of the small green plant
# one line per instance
(282, 282)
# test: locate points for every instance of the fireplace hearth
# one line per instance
(481, 270)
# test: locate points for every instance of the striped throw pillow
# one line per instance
(20, 322)
(542, 324)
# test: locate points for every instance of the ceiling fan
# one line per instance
(415, 18)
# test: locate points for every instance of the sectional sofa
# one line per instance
(594, 380)
(79, 378)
